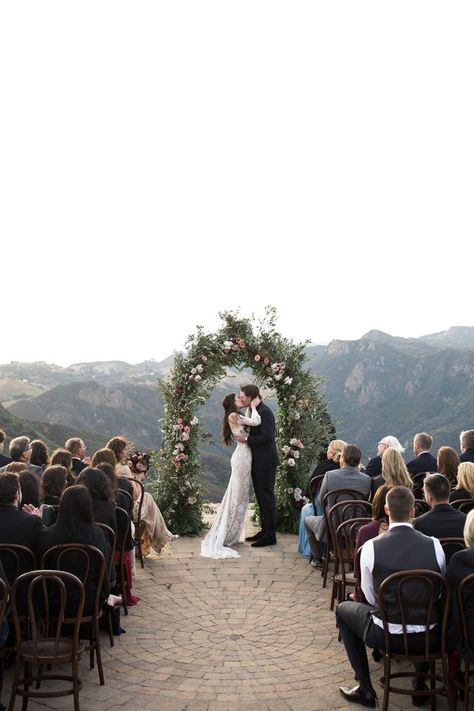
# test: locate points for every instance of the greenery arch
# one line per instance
(303, 424)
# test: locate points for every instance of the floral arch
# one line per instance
(303, 426)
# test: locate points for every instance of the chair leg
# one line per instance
(467, 667)
(75, 683)
(91, 651)
(386, 686)
(98, 652)
(16, 679)
(432, 686)
(111, 631)
(122, 589)
(39, 676)
(26, 686)
(325, 569)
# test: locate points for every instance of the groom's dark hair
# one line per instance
(251, 391)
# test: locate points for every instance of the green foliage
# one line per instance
(303, 424)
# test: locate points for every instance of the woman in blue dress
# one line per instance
(335, 448)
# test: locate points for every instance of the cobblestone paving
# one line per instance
(248, 633)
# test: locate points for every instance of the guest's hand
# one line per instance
(87, 460)
(255, 403)
(29, 508)
(240, 437)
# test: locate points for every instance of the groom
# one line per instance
(261, 441)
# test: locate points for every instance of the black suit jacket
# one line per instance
(261, 441)
(443, 521)
(77, 465)
(374, 467)
(18, 527)
(4, 460)
(424, 462)
(467, 456)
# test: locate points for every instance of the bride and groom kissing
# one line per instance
(255, 457)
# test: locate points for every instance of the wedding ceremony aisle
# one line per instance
(243, 634)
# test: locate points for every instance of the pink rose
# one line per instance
(204, 359)
(187, 428)
(266, 361)
(257, 358)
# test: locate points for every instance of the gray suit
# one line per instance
(334, 480)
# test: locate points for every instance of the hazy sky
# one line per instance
(163, 161)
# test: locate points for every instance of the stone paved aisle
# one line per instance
(248, 633)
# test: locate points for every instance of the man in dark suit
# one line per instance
(466, 441)
(77, 448)
(261, 441)
(424, 461)
(20, 451)
(3, 459)
(401, 548)
(16, 526)
(443, 521)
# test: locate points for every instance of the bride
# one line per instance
(228, 526)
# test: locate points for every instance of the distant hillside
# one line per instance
(375, 386)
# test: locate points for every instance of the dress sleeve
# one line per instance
(253, 421)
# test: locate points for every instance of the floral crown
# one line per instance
(139, 461)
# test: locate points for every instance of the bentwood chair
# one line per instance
(431, 595)
(465, 604)
(452, 546)
(110, 572)
(313, 490)
(123, 532)
(345, 538)
(43, 641)
(464, 505)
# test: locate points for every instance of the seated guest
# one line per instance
(16, 526)
(447, 462)
(460, 566)
(443, 521)
(394, 471)
(4, 460)
(377, 527)
(118, 495)
(53, 483)
(20, 451)
(39, 454)
(401, 548)
(106, 456)
(465, 486)
(424, 461)
(347, 477)
(15, 468)
(75, 524)
(64, 459)
(100, 490)
(374, 467)
(77, 449)
(466, 443)
(333, 455)
(30, 488)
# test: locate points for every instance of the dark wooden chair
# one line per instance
(16, 559)
(452, 546)
(43, 641)
(418, 480)
(464, 505)
(110, 572)
(139, 523)
(88, 563)
(465, 594)
(3, 608)
(123, 532)
(434, 598)
(421, 507)
(329, 500)
(345, 539)
(313, 489)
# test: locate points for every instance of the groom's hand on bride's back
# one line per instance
(240, 437)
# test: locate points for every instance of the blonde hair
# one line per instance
(469, 526)
(394, 470)
(466, 477)
(336, 446)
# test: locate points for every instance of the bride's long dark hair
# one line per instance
(229, 407)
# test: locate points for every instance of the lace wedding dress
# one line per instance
(228, 526)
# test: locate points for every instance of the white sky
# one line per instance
(163, 161)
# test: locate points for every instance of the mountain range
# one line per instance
(374, 386)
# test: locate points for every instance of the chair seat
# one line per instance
(350, 579)
(48, 649)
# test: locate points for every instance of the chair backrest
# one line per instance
(3, 600)
(313, 489)
(16, 559)
(421, 507)
(464, 505)
(451, 546)
(344, 510)
(112, 541)
(465, 600)
(124, 499)
(431, 594)
(345, 539)
(41, 586)
(418, 480)
(339, 495)
(123, 529)
(84, 561)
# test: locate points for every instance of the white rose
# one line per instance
(278, 377)
(293, 440)
(275, 367)
(291, 462)
(194, 421)
(184, 436)
(199, 368)
(228, 344)
(286, 449)
(288, 380)
(193, 370)
(298, 491)
(197, 378)
(296, 454)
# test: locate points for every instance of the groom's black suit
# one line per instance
(261, 441)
